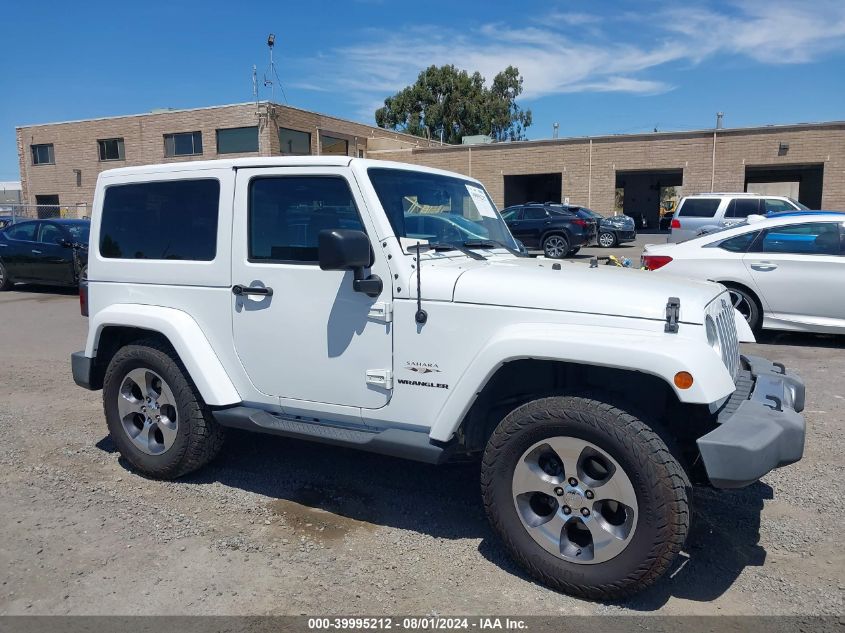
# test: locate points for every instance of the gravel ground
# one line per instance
(277, 526)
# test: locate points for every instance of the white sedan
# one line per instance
(784, 272)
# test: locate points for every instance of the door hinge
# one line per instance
(380, 378)
(381, 311)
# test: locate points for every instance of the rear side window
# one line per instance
(287, 213)
(740, 243)
(174, 219)
(742, 207)
(699, 207)
(777, 206)
(534, 213)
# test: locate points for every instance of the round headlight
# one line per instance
(712, 334)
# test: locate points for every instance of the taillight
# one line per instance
(83, 297)
(653, 262)
(676, 223)
(580, 222)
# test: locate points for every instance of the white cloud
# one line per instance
(619, 53)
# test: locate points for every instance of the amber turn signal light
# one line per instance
(683, 380)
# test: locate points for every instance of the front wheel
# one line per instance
(555, 246)
(607, 239)
(585, 496)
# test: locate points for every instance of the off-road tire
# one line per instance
(198, 439)
(5, 282)
(659, 482)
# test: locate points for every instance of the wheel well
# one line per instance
(645, 395)
(112, 338)
(560, 231)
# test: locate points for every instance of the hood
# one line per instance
(533, 283)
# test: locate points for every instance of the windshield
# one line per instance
(437, 208)
(79, 232)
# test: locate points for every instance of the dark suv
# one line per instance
(553, 227)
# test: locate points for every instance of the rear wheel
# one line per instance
(607, 239)
(555, 246)
(5, 282)
(155, 416)
(748, 306)
(586, 497)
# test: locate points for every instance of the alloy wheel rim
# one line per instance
(555, 247)
(606, 239)
(575, 500)
(741, 303)
(147, 410)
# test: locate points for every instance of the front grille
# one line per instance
(721, 310)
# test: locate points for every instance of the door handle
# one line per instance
(36, 252)
(763, 266)
(238, 290)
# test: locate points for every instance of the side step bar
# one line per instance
(402, 443)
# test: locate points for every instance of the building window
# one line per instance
(331, 145)
(294, 142)
(237, 140)
(173, 219)
(43, 154)
(111, 149)
(183, 144)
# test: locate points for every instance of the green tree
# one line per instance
(460, 104)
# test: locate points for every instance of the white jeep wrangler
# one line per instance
(386, 307)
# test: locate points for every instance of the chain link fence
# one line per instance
(12, 213)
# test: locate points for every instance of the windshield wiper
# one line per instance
(443, 246)
(493, 244)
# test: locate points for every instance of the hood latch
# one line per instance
(673, 313)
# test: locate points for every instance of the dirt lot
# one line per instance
(281, 527)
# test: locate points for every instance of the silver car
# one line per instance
(786, 272)
(704, 212)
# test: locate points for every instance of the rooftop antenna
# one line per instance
(271, 42)
(719, 120)
(555, 129)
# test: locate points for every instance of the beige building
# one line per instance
(59, 162)
(636, 169)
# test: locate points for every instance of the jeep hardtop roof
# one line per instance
(272, 161)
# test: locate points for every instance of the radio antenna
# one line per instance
(421, 316)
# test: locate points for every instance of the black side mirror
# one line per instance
(64, 242)
(343, 249)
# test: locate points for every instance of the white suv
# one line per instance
(706, 211)
(293, 296)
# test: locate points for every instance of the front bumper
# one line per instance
(626, 236)
(760, 426)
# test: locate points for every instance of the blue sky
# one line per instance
(595, 67)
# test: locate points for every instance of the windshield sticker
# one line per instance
(482, 202)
